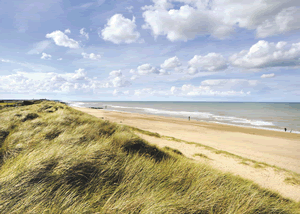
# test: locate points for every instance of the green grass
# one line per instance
(201, 155)
(55, 159)
(294, 179)
(7, 104)
(243, 160)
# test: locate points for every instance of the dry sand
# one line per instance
(274, 148)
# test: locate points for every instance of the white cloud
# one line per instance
(185, 24)
(264, 54)
(120, 30)
(62, 39)
(191, 90)
(67, 31)
(219, 18)
(39, 47)
(59, 59)
(286, 20)
(229, 82)
(117, 92)
(120, 82)
(171, 63)
(191, 70)
(83, 33)
(268, 75)
(211, 62)
(129, 9)
(46, 56)
(91, 56)
(80, 74)
(146, 69)
(116, 73)
(164, 72)
(23, 82)
(188, 90)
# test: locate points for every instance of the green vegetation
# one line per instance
(7, 104)
(201, 155)
(243, 160)
(176, 151)
(55, 159)
(295, 180)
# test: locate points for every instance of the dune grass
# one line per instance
(55, 159)
(201, 156)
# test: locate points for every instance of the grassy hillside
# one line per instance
(55, 159)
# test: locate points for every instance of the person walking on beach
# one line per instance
(189, 118)
(285, 129)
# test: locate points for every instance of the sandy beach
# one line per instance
(271, 147)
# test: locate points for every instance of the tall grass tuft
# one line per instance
(65, 161)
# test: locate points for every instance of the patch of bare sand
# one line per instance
(266, 177)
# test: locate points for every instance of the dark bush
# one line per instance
(3, 135)
(27, 103)
(139, 146)
(30, 116)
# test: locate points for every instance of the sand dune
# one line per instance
(274, 148)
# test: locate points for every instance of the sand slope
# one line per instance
(274, 148)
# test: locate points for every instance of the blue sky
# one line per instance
(160, 50)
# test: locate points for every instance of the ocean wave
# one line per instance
(199, 115)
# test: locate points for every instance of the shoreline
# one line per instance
(275, 148)
(268, 158)
(208, 117)
(214, 122)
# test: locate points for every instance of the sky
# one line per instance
(159, 50)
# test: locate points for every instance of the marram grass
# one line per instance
(55, 159)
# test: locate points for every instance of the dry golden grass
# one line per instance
(58, 160)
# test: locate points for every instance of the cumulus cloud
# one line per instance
(67, 31)
(164, 72)
(211, 62)
(91, 56)
(120, 30)
(264, 54)
(286, 20)
(120, 82)
(185, 23)
(220, 18)
(46, 56)
(84, 34)
(129, 9)
(62, 39)
(171, 63)
(59, 59)
(116, 73)
(23, 82)
(268, 75)
(146, 69)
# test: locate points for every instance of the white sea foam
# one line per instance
(199, 115)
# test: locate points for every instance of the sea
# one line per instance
(270, 116)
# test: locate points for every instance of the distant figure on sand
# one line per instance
(285, 129)
(189, 118)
